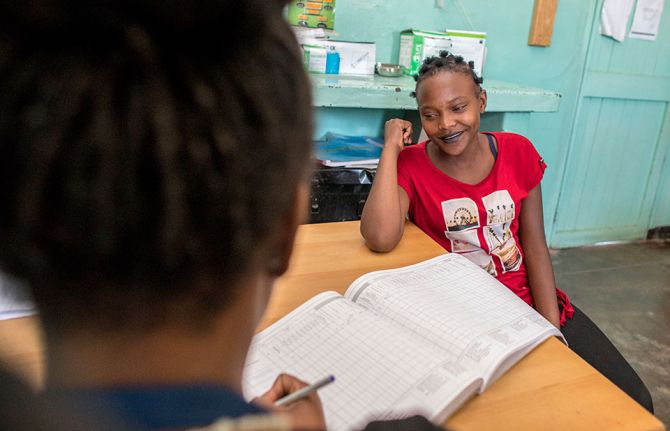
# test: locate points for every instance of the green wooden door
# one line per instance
(620, 137)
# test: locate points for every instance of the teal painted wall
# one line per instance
(510, 58)
(660, 215)
(560, 67)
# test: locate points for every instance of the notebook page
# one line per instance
(379, 371)
(15, 298)
(456, 306)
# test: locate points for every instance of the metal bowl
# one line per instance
(386, 69)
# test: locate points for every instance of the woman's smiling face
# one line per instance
(450, 104)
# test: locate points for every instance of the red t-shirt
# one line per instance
(479, 221)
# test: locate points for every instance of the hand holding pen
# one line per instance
(305, 391)
(304, 411)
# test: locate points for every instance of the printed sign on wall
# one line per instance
(312, 14)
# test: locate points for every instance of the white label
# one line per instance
(405, 55)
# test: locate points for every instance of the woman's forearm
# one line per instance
(536, 256)
(542, 284)
(382, 220)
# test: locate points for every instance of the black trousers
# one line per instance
(589, 342)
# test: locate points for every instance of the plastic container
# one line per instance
(332, 61)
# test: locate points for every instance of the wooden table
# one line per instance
(550, 389)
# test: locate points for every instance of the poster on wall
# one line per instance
(312, 14)
(614, 18)
(647, 19)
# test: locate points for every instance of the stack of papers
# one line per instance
(349, 151)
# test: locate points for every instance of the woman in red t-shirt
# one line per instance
(478, 194)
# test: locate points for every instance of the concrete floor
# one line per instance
(625, 290)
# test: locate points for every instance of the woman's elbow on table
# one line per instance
(378, 241)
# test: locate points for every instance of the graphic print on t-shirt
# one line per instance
(499, 215)
(460, 214)
(483, 260)
(499, 207)
(461, 218)
(462, 242)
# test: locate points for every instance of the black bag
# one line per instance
(339, 194)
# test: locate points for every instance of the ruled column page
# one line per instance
(455, 306)
(380, 372)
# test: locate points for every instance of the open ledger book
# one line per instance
(421, 339)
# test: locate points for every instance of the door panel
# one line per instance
(616, 151)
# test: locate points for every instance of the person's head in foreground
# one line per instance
(154, 164)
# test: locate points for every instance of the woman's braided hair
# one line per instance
(446, 62)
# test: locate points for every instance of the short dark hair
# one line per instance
(142, 144)
(446, 62)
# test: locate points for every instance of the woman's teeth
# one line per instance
(451, 137)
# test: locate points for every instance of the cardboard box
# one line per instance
(356, 58)
(314, 58)
(471, 45)
(416, 45)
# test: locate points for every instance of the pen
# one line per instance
(300, 393)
